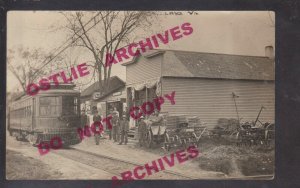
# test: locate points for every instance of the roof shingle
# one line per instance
(209, 65)
(212, 65)
(114, 84)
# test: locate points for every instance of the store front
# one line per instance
(113, 99)
(139, 93)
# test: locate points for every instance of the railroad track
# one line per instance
(113, 165)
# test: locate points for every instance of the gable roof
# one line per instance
(212, 65)
(115, 83)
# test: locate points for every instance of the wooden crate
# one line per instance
(171, 121)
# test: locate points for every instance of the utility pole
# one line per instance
(261, 108)
(237, 113)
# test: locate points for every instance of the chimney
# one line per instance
(269, 52)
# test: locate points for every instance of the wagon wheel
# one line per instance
(144, 139)
(18, 135)
(167, 142)
(269, 134)
(149, 139)
(34, 139)
(196, 140)
(141, 134)
(184, 143)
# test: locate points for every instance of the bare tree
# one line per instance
(25, 63)
(69, 60)
(107, 31)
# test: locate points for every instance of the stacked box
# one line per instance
(182, 119)
(171, 121)
(223, 123)
(194, 121)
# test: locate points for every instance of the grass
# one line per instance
(19, 167)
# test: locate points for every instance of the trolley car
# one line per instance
(48, 114)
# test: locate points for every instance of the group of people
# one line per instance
(119, 130)
(120, 127)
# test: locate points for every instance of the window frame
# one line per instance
(59, 105)
(76, 105)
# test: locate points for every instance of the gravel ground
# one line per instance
(132, 152)
(219, 159)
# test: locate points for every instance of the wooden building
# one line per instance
(115, 97)
(205, 84)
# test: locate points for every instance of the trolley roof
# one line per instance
(61, 89)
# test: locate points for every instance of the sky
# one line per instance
(226, 32)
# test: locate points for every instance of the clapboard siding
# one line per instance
(211, 99)
(145, 69)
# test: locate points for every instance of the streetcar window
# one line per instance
(69, 105)
(50, 106)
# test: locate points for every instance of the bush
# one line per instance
(221, 165)
(262, 165)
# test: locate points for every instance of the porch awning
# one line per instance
(147, 84)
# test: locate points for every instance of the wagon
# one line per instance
(249, 135)
(173, 131)
(183, 131)
(269, 133)
(183, 137)
(154, 133)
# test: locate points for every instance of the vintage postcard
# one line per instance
(139, 95)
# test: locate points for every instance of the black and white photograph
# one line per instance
(140, 95)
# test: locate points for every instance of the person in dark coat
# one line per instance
(97, 126)
(124, 128)
(142, 130)
(115, 127)
(84, 119)
(110, 128)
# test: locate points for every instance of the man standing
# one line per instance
(84, 120)
(115, 126)
(124, 128)
(155, 117)
(96, 125)
(107, 127)
(116, 111)
(142, 130)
